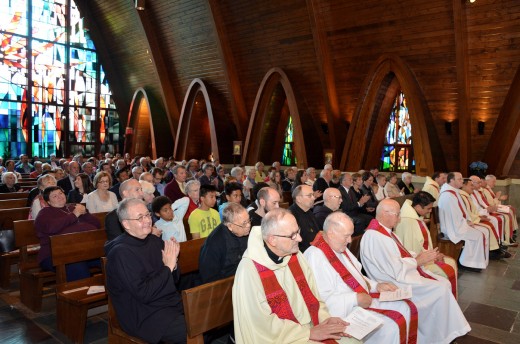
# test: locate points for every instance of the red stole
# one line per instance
(436, 187)
(497, 232)
(351, 281)
(277, 298)
(448, 270)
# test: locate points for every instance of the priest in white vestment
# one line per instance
(268, 305)
(385, 259)
(497, 198)
(416, 238)
(433, 185)
(340, 298)
(456, 225)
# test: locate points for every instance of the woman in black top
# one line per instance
(83, 186)
(9, 183)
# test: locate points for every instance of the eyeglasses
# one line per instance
(290, 236)
(142, 217)
(244, 224)
(308, 195)
(335, 196)
(393, 213)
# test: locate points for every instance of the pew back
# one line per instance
(189, 255)
(207, 307)
(14, 195)
(13, 203)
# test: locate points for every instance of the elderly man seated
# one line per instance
(275, 298)
(141, 272)
(386, 259)
(343, 287)
(331, 201)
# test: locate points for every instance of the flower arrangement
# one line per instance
(478, 168)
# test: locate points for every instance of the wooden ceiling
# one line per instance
(463, 56)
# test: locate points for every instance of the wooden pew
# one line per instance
(13, 203)
(284, 205)
(207, 307)
(27, 185)
(401, 199)
(7, 216)
(355, 246)
(14, 195)
(438, 240)
(72, 301)
(32, 277)
(187, 229)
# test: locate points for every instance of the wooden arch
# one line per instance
(505, 141)
(139, 133)
(365, 139)
(258, 145)
(186, 129)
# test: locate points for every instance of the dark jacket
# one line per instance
(173, 191)
(5, 189)
(112, 225)
(308, 225)
(66, 185)
(220, 254)
(407, 190)
(320, 213)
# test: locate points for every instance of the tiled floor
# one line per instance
(490, 300)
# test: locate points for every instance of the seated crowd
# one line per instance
(295, 276)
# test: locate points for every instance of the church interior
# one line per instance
(402, 86)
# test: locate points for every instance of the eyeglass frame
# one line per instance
(142, 217)
(292, 236)
(247, 224)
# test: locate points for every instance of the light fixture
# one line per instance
(480, 127)
(472, 1)
(139, 5)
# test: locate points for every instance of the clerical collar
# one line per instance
(272, 255)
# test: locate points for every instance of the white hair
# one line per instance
(405, 175)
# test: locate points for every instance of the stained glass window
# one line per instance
(398, 150)
(288, 156)
(54, 95)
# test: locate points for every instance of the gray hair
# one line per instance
(297, 191)
(405, 175)
(231, 209)
(270, 222)
(43, 178)
(490, 177)
(176, 168)
(137, 168)
(310, 169)
(122, 209)
(148, 187)
(335, 220)
(236, 170)
(190, 184)
(5, 174)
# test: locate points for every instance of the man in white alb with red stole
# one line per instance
(415, 236)
(386, 259)
(487, 186)
(343, 287)
(480, 218)
(433, 185)
(275, 298)
(456, 225)
(504, 218)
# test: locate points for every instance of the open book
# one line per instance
(361, 322)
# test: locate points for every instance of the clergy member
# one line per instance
(415, 236)
(303, 197)
(343, 287)
(456, 225)
(275, 298)
(433, 185)
(386, 259)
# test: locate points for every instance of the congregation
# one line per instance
(286, 235)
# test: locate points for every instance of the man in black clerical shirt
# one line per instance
(303, 198)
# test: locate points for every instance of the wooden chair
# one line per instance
(7, 217)
(101, 218)
(32, 278)
(116, 335)
(445, 245)
(14, 195)
(72, 301)
(355, 247)
(13, 203)
(207, 307)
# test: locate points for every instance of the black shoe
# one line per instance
(496, 254)
(506, 254)
(467, 268)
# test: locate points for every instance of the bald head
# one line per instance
(337, 231)
(387, 213)
(332, 198)
(131, 188)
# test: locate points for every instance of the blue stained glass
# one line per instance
(48, 76)
(398, 138)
